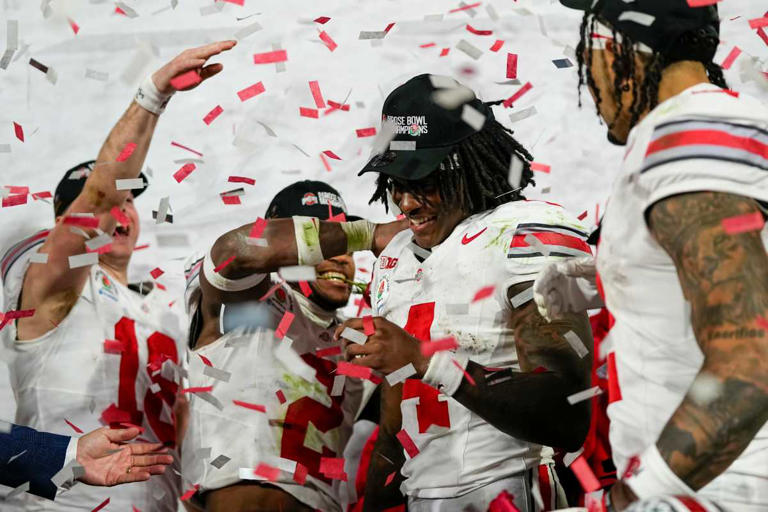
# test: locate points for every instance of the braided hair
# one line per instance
(475, 174)
(646, 96)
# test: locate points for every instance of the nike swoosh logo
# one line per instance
(466, 239)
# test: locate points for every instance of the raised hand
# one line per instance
(193, 59)
(108, 461)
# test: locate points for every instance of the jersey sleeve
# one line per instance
(13, 267)
(545, 234)
(705, 154)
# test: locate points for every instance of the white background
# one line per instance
(66, 122)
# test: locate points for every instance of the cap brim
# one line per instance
(582, 5)
(408, 165)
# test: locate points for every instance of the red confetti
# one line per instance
(213, 114)
(85, 222)
(477, 32)
(305, 288)
(583, 215)
(539, 167)
(731, 58)
(127, 151)
(182, 146)
(205, 360)
(368, 328)
(120, 11)
(74, 427)
(407, 442)
(324, 159)
(428, 348)
(427, 45)
(504, 502)
(333, 468)
(258, 228)
(466, 374)
(230, 199)
(186, 80)
(255, 407)
(322, 20)
(113, 347)
(497, 45)
(388, 28)
(758, 23)
(389, 479)
(524, 89)
(191, 492)
(250, 92)
(614, 390)
(300, 474)
(236, 2)
(17, 190)
(199, 389)
(267, 472)
(103, 503)
(156, 272)
(241, 179)
(270, 57)
(338, 106)
(584, 473)
(465, 7)
(314, 87)
(14, 200)
(19, 313)
(328, 352)
(365, 132)
(75, 26)
(331, 154)
(19, 131)
(511, 65)
(221, 266)
(329, 42)
(280, 396)
(353, 370)
(185, 171)
(141, 247)
(309, 112)
(632, 465)
(702, 3)
(743, 223)
(42, 195)
(119, 216)
(284, 325)
(444, 52)
(484, 293)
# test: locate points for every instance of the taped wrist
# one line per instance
(359, 235)
(307, 230)
(149, 98)
(655, 478)
(228, 285)
(444, 373)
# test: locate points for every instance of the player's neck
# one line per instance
(680, 76)
(118, 272)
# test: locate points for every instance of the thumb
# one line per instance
(122, 435)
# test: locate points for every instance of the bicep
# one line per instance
(563, 345)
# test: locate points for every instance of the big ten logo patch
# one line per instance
(387, 263)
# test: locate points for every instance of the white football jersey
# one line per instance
(69, 378)
(458, 451)
(300, 419)
(701, 140)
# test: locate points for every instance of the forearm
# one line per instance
(529, 406)
(387, 458)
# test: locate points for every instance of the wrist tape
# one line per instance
(149, 98)
(307, 230)
(228, 285)
(359, 235)
(443, 374)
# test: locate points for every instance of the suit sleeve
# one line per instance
(42, 456)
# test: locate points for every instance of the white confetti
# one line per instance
(216, 373)
(457, 309)
(98, 242)
(705, 389)
(297, 273)
(162, 210)
(469, 49)
(203, 453)
(515, 172)
(16, 491)
(96, 75)
(14, 457)
(41, 257)
(220, 461)
(536, 244)
(338, 385)
(83, 260)
(129, 12)
(398, 376)
(584, 395)
(292, 361)
(208, 397)
(247, 31)
(452, 97)
(576, 344)
(12, 42)
(523, 114)
(522, 297)
(372, 35)
(568, 458)
(402, 145)
(129, 184)
(472, 117)
(640, 18)
(492, 12)
(354, 336)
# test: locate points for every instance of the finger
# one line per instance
(133, 476)
(352, 323)
(151, 460)
(209, 50)
(208, 71)
(142, 448)
(157, 469)
(370, 361)
(121, 435)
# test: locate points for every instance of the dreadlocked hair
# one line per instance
(475, 175)
(646, 96)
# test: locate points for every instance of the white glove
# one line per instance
(567, 287)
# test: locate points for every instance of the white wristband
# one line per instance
(228, 285)
(149, 98)
(359, 235)
(654, 478)
(444, 373)
(307, 230)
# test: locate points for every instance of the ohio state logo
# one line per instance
(309, 199)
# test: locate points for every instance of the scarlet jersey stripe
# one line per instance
(553, 239)
(20, 248)
(691, 504)
(708, 137)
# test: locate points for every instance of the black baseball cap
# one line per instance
(425, 132)
(73, 182)
(307, 198)
(659, 24)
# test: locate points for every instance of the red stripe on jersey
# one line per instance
(614, 390)
(19, 248)
(691, 504)
(545, 487)
(708, 138)
(552, 238)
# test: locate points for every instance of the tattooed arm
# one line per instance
(725, 279)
